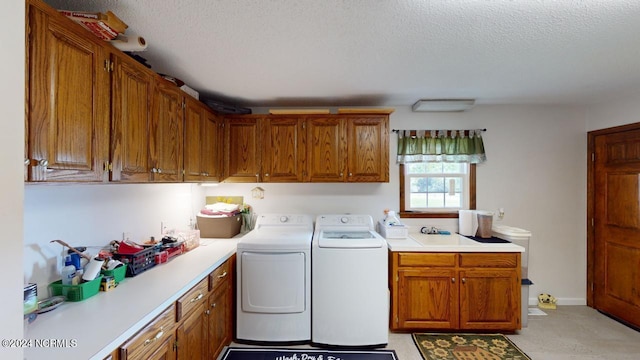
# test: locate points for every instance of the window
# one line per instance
(436, 189)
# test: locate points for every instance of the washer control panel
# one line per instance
(284, 220)
(363, 221)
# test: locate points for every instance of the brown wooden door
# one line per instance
(368, 144)
(132, 89)
(326, 149)
(242, 154)
(191, 335)
(68, 102)
(166, 133)
(284, 149)
(427, 298)
(617, 225)
(489, 299)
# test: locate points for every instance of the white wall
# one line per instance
(11, 162)
(93, 215)
(536, 171)
(617, 110)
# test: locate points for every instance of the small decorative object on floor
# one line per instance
(546, 301)
(308, 354)
(444, 346)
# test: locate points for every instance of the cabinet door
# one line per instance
(212, 147)
(68, 102)
(490, 299)
(166, 133)
(284, 148)
(202, 143)
(193, 140)
(191, 335)
(166, 351)
(242, 154)
(220, 319)
(131, 92)
(368, 144)
(427, 298)
(326, 150)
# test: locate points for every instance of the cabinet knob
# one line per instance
(154, 170)
(213, 305)
(341, 174)
(43, 163)
(207, 312)
(350, 174)
(159, 171)
(27, 161)
(464, 280)
(453, 280)
(267, 174)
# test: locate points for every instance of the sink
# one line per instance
(443, 240)
(491, 240)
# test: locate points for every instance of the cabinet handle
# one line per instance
(44, 163)
(199, 297)
(155, 338)
(267, 174)
(453, 280)
(223, 275)
(159, 171)
(27, 161)
(350, 174)
(464, 280)
(154, 170)
(213, 305)
(340, 174)
(207, 312)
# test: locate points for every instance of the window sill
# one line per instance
(426, 215)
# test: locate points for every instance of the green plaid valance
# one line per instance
(440, 146)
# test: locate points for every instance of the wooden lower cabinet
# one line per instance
(191, 335)
(198, 326)
(467, 291)
(154, 341)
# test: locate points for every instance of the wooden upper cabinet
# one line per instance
(242, 149)
(283, 145)
(131, 94)
(326, 149)
(166, 133)
(368, 144)
(68, 101)
(202, 143)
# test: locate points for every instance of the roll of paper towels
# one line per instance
(467, 222)
(129, 43)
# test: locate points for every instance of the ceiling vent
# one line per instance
(443, 105)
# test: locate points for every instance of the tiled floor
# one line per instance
(567, 333)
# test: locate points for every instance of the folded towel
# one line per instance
(222, 207)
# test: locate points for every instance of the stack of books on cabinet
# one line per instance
(105, 26)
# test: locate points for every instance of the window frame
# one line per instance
(439, 214)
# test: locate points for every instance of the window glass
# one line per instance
(436, 186)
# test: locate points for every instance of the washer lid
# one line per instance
(350, 239)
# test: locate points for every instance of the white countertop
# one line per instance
(447, 243)
(103, 322)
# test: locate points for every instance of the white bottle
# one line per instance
(391, 219)
(68, 272)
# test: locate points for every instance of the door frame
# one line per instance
(591, 137)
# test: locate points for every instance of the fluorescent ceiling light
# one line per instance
(443, 105)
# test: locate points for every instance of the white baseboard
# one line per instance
(561, 301)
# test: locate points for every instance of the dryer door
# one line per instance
(273, 282)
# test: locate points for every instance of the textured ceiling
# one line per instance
(388, 52)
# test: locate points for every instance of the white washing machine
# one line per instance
(349, 283)
(274, 280)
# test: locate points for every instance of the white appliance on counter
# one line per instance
(349, 283)
(274, 280)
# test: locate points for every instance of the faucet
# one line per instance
(429, 230)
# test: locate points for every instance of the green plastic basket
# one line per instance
(76, 292)
(117, 273)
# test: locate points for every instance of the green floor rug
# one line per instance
(442, 346)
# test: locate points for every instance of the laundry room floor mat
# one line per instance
(306, 354)
(467, 346)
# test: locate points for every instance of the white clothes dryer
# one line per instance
(274, 280)
(349, 283)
